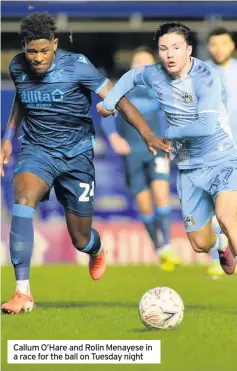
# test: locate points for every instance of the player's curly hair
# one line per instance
(39, 25)
(176, 27)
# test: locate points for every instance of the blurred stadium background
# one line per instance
(107, 33)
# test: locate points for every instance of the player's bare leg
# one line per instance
(87, 240)
(160, 190)
(144, 202)
(28, 190)
(205, 240)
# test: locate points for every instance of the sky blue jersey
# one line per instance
(146, 102)
(194, 108)
(228, 75)
(57, 105)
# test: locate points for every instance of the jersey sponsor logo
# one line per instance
(37, 96)
(188, 117)
(178, 115)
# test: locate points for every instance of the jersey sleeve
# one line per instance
(209, 93)
(132, 78)
(142, 76)
(88, 75)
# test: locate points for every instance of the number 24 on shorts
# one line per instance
(88, 191)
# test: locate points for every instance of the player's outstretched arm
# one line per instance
(102, 94)
(16, 117)
(126, 83)
(134, 118)
(132, 78)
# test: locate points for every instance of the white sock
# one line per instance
(99, 251)
(163, 248)
(221, 243)
(23, 286)
(224, 242)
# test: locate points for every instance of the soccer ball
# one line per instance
(161, 308)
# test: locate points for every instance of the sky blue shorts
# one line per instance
(72, 178)
(198, 189)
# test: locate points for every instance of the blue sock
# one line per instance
(163, 222)
(94, 244)
(22, 240)
(150, 224)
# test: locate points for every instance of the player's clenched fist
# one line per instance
(103, 111)
(6, 150)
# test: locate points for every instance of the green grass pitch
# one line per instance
(72, 306)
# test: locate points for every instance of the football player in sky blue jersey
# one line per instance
(221, 47)
(53, 98)
(147, 176)
(190, 93)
